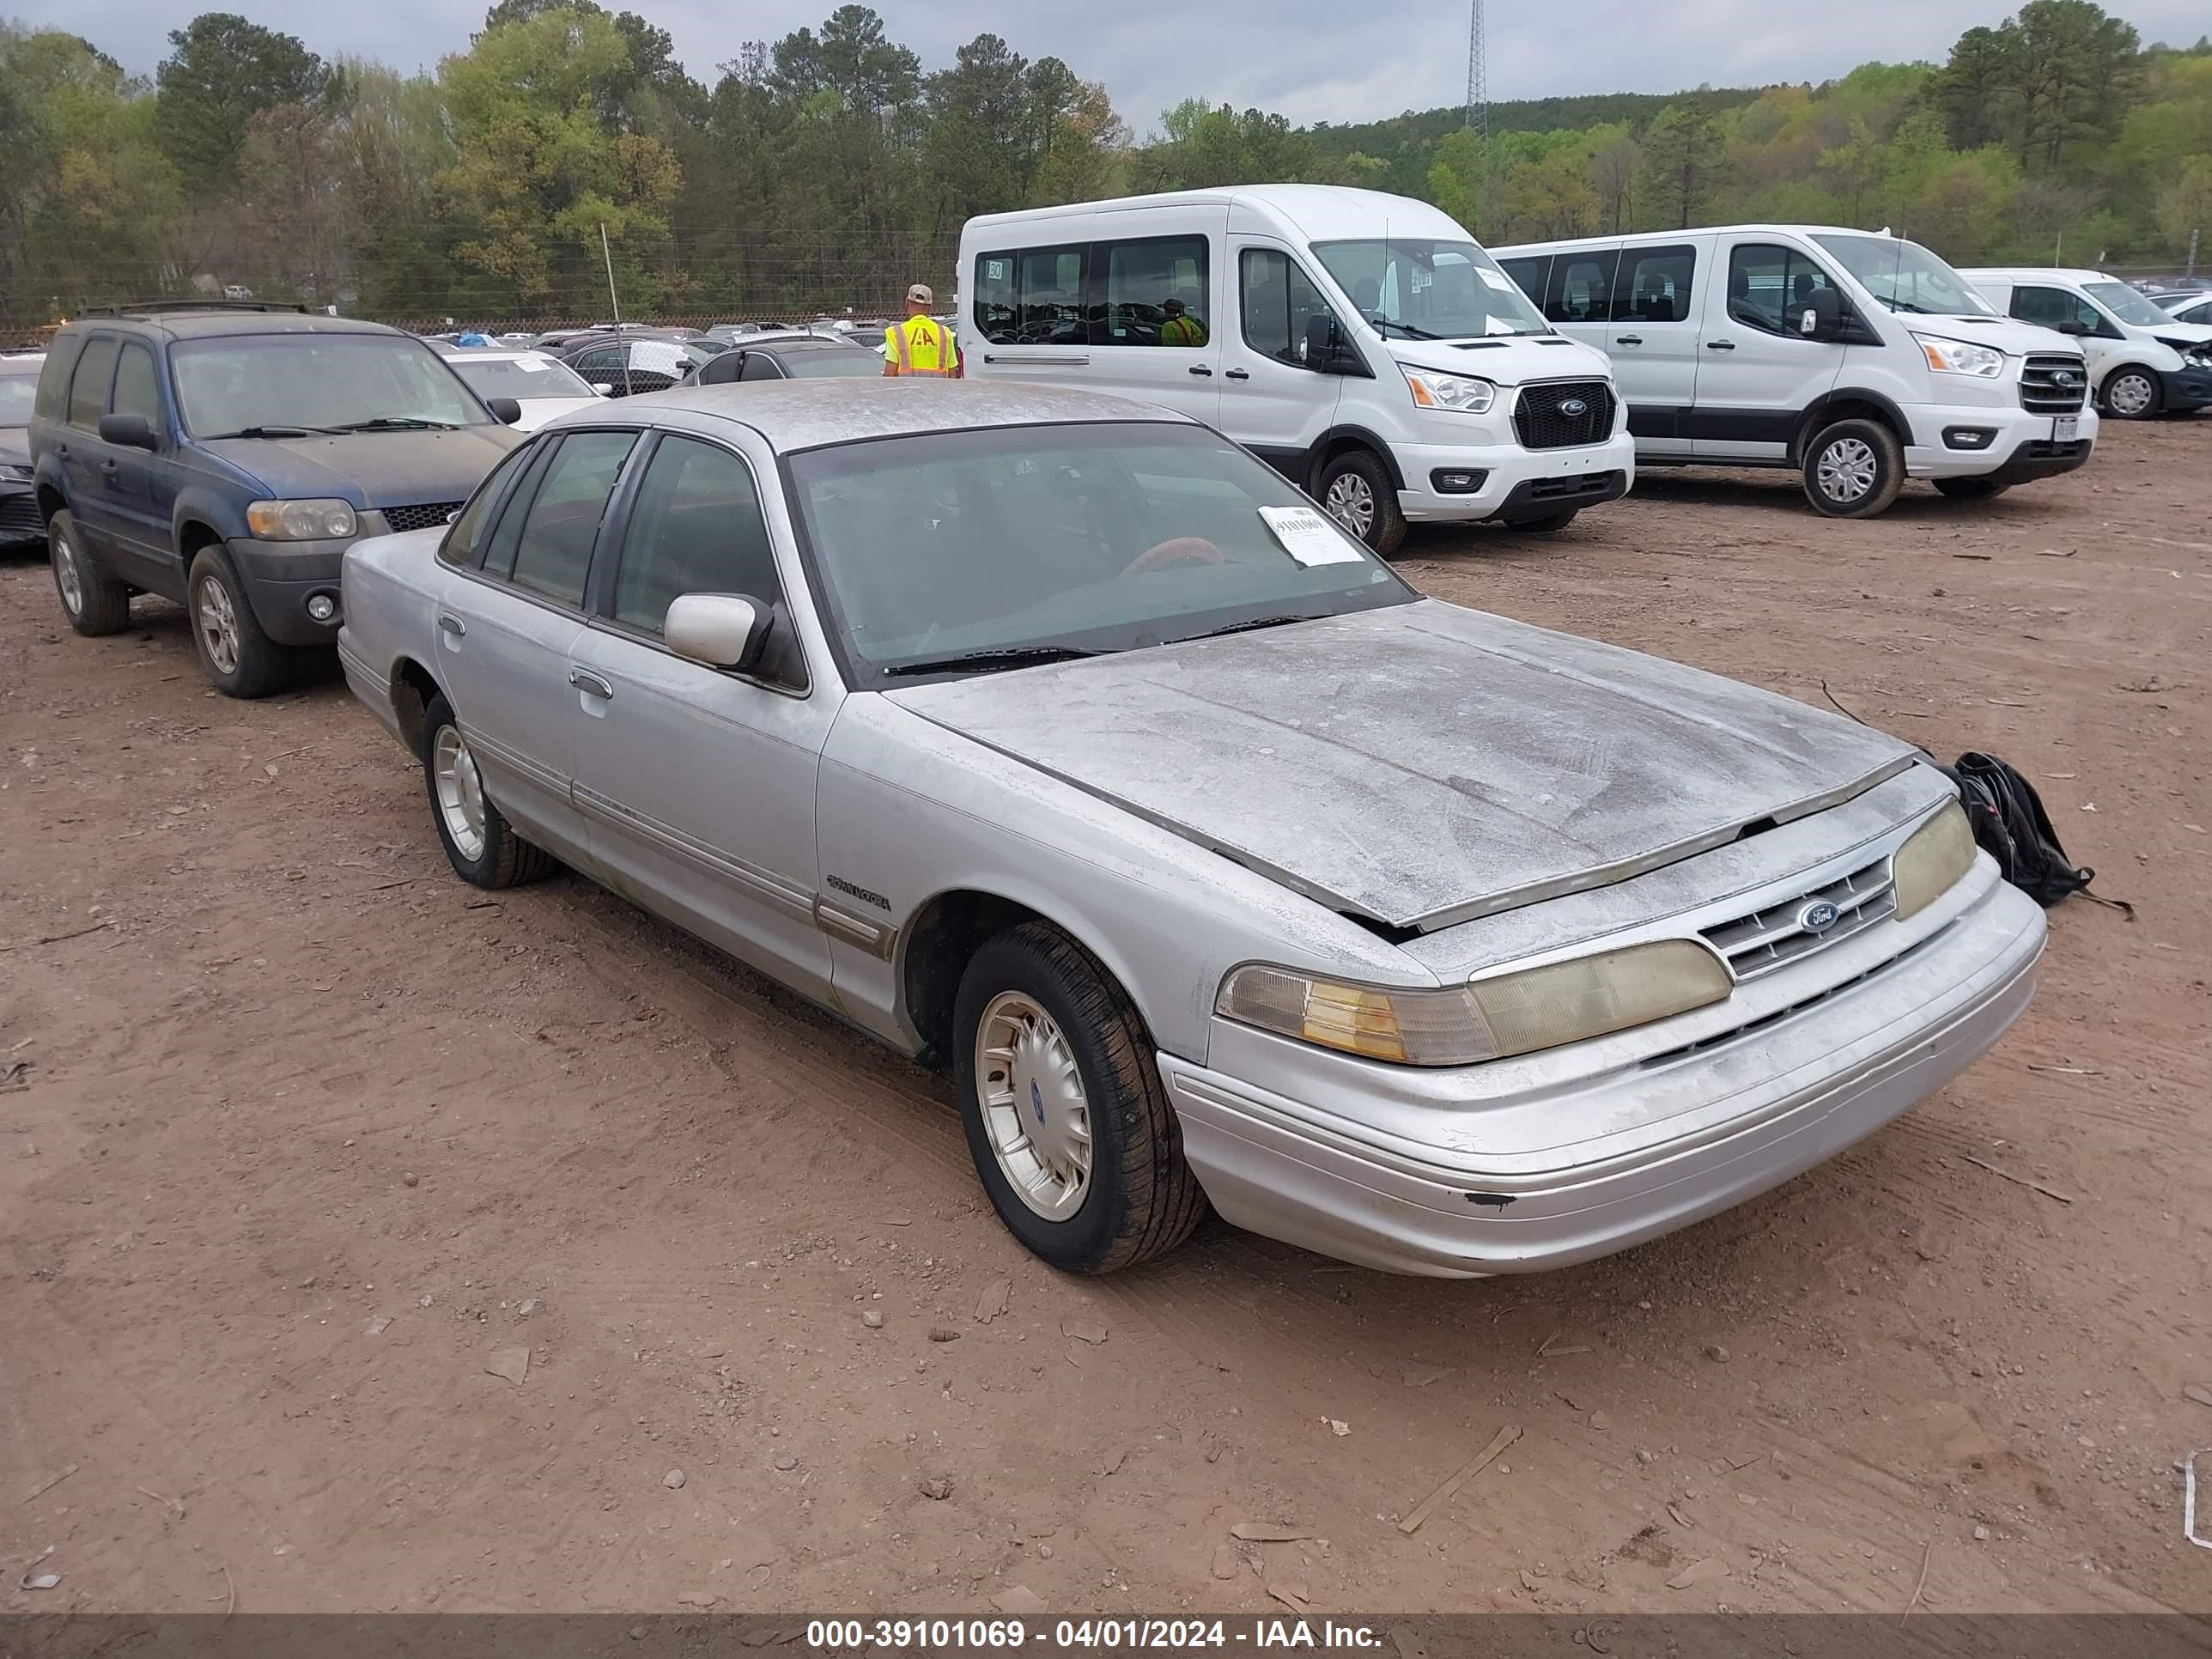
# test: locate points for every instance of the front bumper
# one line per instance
(1768, 1106)
(281, 577)
(2012, 431)
(2039, 457)
(1509, 469)
(2185, 390)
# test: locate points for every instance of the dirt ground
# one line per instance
(311, 1131)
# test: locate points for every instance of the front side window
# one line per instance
(1276, 298)
(464, 542)
(295, 383)
(95, 373)
(1581, 287)
(1905, 276)
(696, 527)
(1031, 296)
(1654, 285)
(1156, 292)
(758, 366)
(18, 395)
(2054, 307)
(553, 552)
(1419, 288)
(967, 552)
(1769, 287)
(136, 392)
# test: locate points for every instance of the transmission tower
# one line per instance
(1478, 87)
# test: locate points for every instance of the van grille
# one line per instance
(418, 518)
(1772, 937)
(1543, 423)
(2054, 386)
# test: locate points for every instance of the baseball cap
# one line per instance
(920, 294)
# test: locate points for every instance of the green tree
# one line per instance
(1682, 159)
(221, 72)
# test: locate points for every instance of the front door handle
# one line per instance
(1628, 339)
(1240, 375)
(1720, 345)
(452, 625)
(1200, 369)
(590, 684)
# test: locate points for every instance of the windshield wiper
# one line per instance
(398, 423)
(1248, 626)
(1407, 329)
(984, 662)
(280, 431)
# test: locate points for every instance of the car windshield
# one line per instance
(316, 383)
(1415, 289)
(830, 365)
(967, 552)
(520, 376)
(17, 393)
(1906, 276)
(2126, 304)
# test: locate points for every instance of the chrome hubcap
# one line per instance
(460, 791)
(1035, 1111)
(218, 625)
(66, 578)
(1846, 469)
(2130, 395)
(1352, 503)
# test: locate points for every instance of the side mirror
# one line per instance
(505, 410)
(128, 432)
(2072, 325)
(1821, 316)
(1323, 347)
(604, 388)
(722, 630)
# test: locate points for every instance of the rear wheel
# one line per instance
(1546, 524)
(1355, 489)
(479, 843)
(2131, 394)
(93, 601)
(236, 655)
(1970, 489)
(1854, 469)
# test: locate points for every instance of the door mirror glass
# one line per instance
(1821, 315)
(127, 431)
(1324, 344)
(722, 630)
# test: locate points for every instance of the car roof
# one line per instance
(496, 355)
(22, 362)
(206, 324)
(2037, 273)
(802, 342)
(1322, 212)
(796, 414)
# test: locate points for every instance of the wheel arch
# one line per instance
(1337, 439)
(412, 687)
(1848, 403)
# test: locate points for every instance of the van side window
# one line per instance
(1769, 285)
(1277, 297)
(1527, 274)
(2054, 307)
(1581, 286)
(1156, 292)
(1031, 296)
(95, 373)
(1654, 285)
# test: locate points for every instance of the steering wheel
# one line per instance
(1179, 549)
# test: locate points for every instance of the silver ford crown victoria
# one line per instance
(1059, 741)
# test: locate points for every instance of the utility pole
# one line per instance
(2191, 271)
(607, 253)
(1478, 106)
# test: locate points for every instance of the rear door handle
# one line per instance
(452, 625)
(586, 681)
(1200, 369)
(1240, 375)
(1720, 345)
(1628, 339)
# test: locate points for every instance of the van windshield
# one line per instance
(2126, 304)
(1906, 276)
(1423, 289)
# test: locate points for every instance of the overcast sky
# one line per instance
(1310, 59)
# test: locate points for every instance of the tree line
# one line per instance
(831, 167)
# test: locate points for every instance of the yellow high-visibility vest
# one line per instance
(922, 345)
(1183, 330)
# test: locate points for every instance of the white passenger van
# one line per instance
(2143, 361)
(1362, 343)
(1860, 360)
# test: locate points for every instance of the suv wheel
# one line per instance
(1854, 469)
(2131, 394)
(238, 658)
(1355, 489)
(93, 601)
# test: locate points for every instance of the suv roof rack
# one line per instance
(161, 307)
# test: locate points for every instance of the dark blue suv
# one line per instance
(225, 456)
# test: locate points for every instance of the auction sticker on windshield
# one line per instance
(1308, 537)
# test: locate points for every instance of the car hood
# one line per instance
(2195, 339)
(535, 411)
(1510, 362)
(1999, 333)
(370, 469)
(1422, 765)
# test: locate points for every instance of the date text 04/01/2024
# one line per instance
(1092, 1634)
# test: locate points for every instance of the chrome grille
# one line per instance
(418, 518)
(1769, 939)
(2042, 391)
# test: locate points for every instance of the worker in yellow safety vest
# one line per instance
(1178, 327)
(921, 344)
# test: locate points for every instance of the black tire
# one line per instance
(505, 859)
(102, 603)
(1142, 1200)
(1546, 524)
(1970, 489)
(2135, 387)
(1868, 470)
(1355, 489)
(224, 626)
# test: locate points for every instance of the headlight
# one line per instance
(1461, 391)
(1514, 1013)
(1958, 358)
(1940, 851)
(301, 521)
(11, 471)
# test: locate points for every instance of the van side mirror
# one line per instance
(2072, 325)
(1821, 316)
(1324, 348)
(128, 432)
(722, 630)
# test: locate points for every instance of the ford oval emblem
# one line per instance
(2063, 377)
(1573, 408)
(1817, 917)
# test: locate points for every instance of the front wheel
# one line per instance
(1067, 1120)
(1854, 469)
(236, 653)
(1355, 489)
(93, 601)
(2131, 394)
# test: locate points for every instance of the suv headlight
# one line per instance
(1512, 1013)
(302, 521)
(1925, 868)
(1960, 358)
(1463, 393)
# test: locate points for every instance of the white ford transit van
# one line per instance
(2143, 361)
(1857, 359)
(1363, 344)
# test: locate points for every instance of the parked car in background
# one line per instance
(790, 357)
(1362, 343)
(541, 386)
(2142, 361)
(623, 366)
(1856, 360)
(19, 505)
(225, 456)
(2188, 308)
(1055, 738)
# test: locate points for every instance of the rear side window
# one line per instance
(464, 542)
(554, 553)
(1654, 285)
(1768, 286)
(759, 366)
(136, 390)
(54, 377)
(1032, 296)
(95, 373)
(1581, 286)
(1156, 292)
(1528, 274)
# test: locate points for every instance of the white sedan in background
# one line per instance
(543, 385)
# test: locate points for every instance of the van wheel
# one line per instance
(1355, 489)
(2131, 394)
(1546, 524)
(93, 601)
(480, 844)
(1067, 1119)
(1854, 469)
(1970, 489)
(238, 658)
